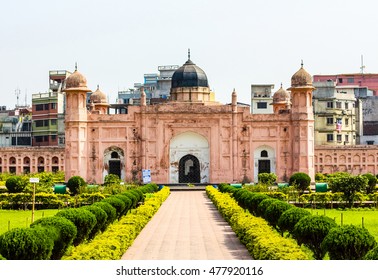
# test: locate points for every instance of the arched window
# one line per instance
(264, 153)
(114, 155)
(26, 161)
(12, 161)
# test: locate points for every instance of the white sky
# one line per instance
(237, 43)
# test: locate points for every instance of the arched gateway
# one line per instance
(189, 158)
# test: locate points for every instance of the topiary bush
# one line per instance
(83, 219)
(16, 184)
(128, 202)
(263, 205)
(117, 203)
(66, 232)
(101, 218)
(301, 181)
(372, 254)
(27, 243)
(254, 202)
(274, 212)
(267, 178)
(290, 217)
(111, 213)
(132, 197)
(311, 231)
(75, 183)
(348, 242)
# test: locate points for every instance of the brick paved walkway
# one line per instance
(187, 227)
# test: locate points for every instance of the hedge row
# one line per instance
(319, 233)
(49, 238)
(262, 242)
(113, 243)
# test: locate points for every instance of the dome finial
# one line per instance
(281, 84)
(302, 63)
(75, 66)
(98, 87)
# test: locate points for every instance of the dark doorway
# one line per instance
(189, 170)
(115, 167)
(264, 166)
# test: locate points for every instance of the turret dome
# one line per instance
(301, 78)
(189, 75)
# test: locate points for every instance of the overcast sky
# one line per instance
(237, 43)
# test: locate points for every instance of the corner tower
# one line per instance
(76, 125)
(302, 122)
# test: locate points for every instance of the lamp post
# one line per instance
(34, 181)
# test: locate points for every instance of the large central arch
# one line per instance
(189, 149)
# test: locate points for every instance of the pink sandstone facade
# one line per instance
(21, 160)
(189, 139)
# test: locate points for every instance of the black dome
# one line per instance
(189, 75)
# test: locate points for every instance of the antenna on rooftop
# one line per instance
(17, 92)
(362, 64)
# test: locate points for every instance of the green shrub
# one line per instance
(262, 242)
(82, 219)
(112, 179)
(320, 178)
(132, 197)
(117, 203)
(290, 217)
(111, 213)
(16, 184)
(301, 181)
(75, 183)
(66, 233)
(150, 188)
(2, 258)
(255, 201)
(311, 231)
(372, 254)
(128, 202)
(267, 178)
(112, 244)
(372, 183)
(101, 218)
(274, 212)
(348, 242)
(27, 243)
(263, 205)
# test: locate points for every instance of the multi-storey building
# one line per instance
(261, 99)
(15, 127)
(334, 113)
(48, 112)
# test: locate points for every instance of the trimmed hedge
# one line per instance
(101, 218)
(348, 242)
(84, 221)
(110, 212)
(262, 242)
(27, 243)
(311, 231)
(274, 212)
(113, 243)
(66, 233)
(372, 254)
(117, 203)
(290, 217)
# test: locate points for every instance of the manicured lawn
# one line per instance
(21, 218)
(354, 217)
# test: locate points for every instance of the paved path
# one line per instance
(187, 227)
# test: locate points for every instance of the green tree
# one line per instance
(267, 178)
(372, 183)
(311, 231)
(348, 243)
(16, 184)
(274, 212)
(301, 181)
(349, 185)
(74, 184)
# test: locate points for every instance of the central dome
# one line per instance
(189, 75)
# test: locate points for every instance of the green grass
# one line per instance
(21, 218)
(353, 217)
